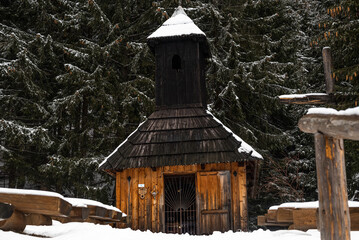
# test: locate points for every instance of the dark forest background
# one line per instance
(76, 78)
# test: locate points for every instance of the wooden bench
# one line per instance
(302, 218)
(19, 208)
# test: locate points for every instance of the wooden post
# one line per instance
(334, 219)
(328, 70)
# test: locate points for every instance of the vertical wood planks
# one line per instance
(235, 181)
(134, 196)
(148, 198)
(242, 181)
(154, 205)
(141, 201)
(220, 193)
(334, 219)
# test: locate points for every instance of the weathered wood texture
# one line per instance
(183, 84)
(214, 201)
(301, 218)
(38, 219)
(304, 219)
(332, 188)
(16, 222)
(148, 213)
(328, 70)
(27, 203)
(338, 126)
(181, 136)
(309, 99)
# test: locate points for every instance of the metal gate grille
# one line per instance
(180, 204)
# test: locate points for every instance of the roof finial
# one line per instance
(179, 2)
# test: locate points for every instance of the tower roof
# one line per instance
(179, 137)
(178, 25)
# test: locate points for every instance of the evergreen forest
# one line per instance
(77, 77)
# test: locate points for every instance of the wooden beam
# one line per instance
(16, 222)
(312, 99)
(333, 214)
(328, 70)
(338, 126)
(41, 204)
(38, 219)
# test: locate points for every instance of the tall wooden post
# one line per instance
(328, 70)
(334, 218)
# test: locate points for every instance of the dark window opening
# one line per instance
(176, 62)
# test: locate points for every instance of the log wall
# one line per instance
(147, 213)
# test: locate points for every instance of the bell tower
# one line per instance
(180, 49)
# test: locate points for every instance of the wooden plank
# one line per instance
(134, 198)
(161, 199)
(122, 188)
(243, 196)
(328, 70)
(41, 204)
(235, 182)
(284, 215)
(141, 201)
(304, 219)
(332, 190)
(129, 192)
(354, 219)
(271, 216)
(16, 222)
(38, 219)
(261, 220)
(338, 126)
(79, 213)
(97, 212)
(148, 199)
(154, 207)
(215, 211)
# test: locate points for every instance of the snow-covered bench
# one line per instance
(301, 216)
(21, 207)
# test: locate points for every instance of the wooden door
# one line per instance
(213, 201)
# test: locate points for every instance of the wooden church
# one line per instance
(182, 170)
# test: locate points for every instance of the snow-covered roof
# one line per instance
(245, 147)
(178, 25)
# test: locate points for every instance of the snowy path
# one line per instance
(90, 231)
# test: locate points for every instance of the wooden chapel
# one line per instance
(182, 170)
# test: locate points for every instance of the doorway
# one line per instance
(180, 204)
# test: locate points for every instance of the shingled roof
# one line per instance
(181, 136)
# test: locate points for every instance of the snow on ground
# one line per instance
(90, 231)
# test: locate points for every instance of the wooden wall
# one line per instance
(148, 213)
